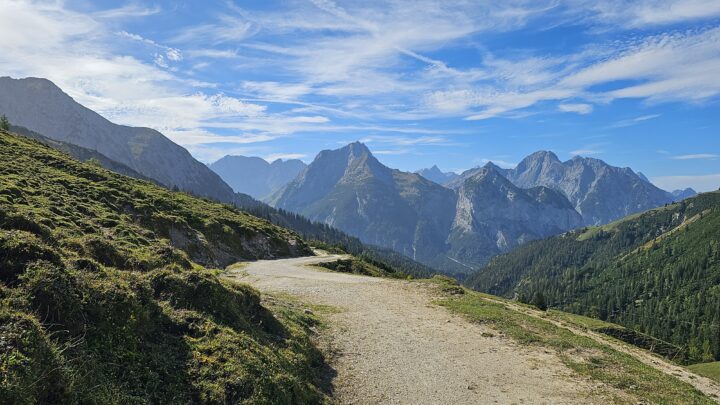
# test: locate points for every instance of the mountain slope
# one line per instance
(104, 297)
(255, 176)
(39, 105)
(436, 175)
(80, 153)
(350, 190)
(494, 216)
(657, 272)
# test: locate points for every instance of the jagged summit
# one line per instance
(436, 175)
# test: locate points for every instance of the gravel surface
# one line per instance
(387, 344)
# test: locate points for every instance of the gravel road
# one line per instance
(389, 345)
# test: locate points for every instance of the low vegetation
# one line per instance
(630, 381)
(710, 370)
(363, 267)
(107, 293)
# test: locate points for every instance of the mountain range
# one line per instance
(601, 193)
(451, 222)
(458, 222)
(454, 230)
(255, 176)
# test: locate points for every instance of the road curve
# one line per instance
(390, 345)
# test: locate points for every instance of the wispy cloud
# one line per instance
(128, 11)
(576, 108)
(588, 150)
(696, 156)
(284, 156)
(361, 68)
(634, 121)
(213, 53)
(407, 141)
(392, 151)
(643, 13)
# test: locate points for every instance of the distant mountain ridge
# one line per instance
(438, 176)
(601, 193)
(350, 189)
(680, 195)
(42, 107)
(255, 176)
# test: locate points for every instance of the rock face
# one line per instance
(255, 176)
(42, 107)
(494, 216)
(438, 176)
(599, 192)
(351, 190)
(451, 230)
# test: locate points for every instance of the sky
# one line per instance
(421, 82)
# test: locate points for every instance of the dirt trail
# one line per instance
(703, 384)
(394, 347)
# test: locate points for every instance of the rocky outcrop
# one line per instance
(494, 216)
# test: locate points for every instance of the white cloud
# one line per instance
(171, 54)
(88, 61)
(671, 67)
(576, 108)
(284, 156)
(634, 121)
(392, 152)
(708, 182)
(128, 11)
(226, 29)
(696, 156)
(642, 13)
(407, 141)
(213, 53)
(585, 152)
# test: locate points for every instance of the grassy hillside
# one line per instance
(619, 375)
(657, 273)
(106, 296)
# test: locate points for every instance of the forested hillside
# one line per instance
(106, 294)
(657, 272)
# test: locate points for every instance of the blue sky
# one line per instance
(635, 83)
